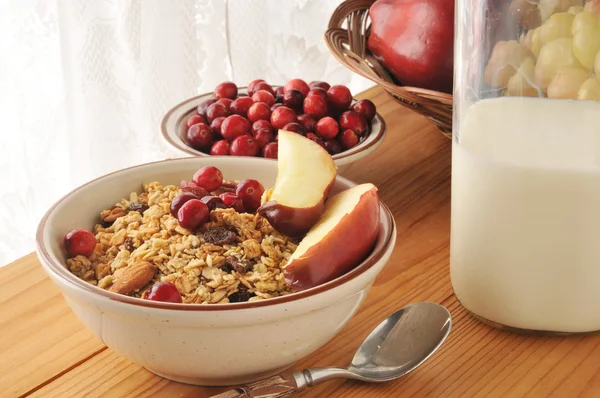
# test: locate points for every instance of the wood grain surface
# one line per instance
(46, 352)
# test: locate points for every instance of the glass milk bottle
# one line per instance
(525, 235)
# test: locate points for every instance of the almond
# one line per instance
(131, 279)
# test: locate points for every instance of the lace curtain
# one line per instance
(84, 83)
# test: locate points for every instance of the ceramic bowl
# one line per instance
(203, 344)
(173, 130)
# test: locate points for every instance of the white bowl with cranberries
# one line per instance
(244, 121)
(204, 344)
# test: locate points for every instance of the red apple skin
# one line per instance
(415, 41)
(345, 247)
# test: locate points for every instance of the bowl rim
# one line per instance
(174, 140)
(62, 273)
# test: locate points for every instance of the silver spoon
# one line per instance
(395, 347)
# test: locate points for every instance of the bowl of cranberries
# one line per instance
(244, 121)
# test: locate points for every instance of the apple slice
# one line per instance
(342, 239)
(305, 175)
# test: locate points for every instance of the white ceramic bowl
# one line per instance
(173, 130)
(194, 343)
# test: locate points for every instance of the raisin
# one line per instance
(128, 244)
(138, 206)
(220, 236)
(233, 264)
(240, 296)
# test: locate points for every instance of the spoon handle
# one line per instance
(274, 387)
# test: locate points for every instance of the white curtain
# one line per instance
(84, 83)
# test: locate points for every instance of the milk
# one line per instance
(525, 236)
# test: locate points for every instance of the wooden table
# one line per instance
(46, 352)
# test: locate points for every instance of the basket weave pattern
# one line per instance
(349, 45)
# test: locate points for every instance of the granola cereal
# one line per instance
(233, 258)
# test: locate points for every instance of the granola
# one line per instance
(234, 257)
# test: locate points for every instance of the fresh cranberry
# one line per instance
(193, 214)
(195, 120)
(327, 128)
(348, 139)
(324, 85)
(263, 137)
(333, 147)
(165, 292)
(208, 177)
(293, 99)
(80, 242)
(234, 126)
(308, 122)
(295, 128)
(250, 191)
(226, 101)
(297, 84)
(365, 108)
(353, 121)
(220, 148)
(200, 136)
(215, 126)
(319, 92)
(263, 86)
(339, 97)
(244, 145)
(216, 110)
(270, 150)
(179, 200)
(213, 202)
(282, 116)
(226, 90)
(315, 138)
(240, 106)
(252, 84)
(193, 188)
(261, 125)
(263, 96)
(315, 106)
(204, 106)
(232, 201)
(279, 91)
(275, 107)
(259, 111)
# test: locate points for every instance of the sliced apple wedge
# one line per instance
(342, 238)
(305, 175)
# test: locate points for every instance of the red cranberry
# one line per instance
(316, 138)
(259, 111)
(234, 126)
(261, 125)
(195, 120)
(193, 188)
(315, 106)
(275, 107)
(252, 84)
(308, 122)
(165, 292)
(213, 202)
(226, 90)
(297, 84)
(232, 201)
(279, 90)
(179, 200)
(215, 126)
(208, 177)
(204, 106)
(319, 92)
(365, 108)
(339, 97)
(80, 242)
(220, 148)
(226, 101)
(293, 99)
(193, 214)
(282, 116)
(250, 191)
(295, 128)
(348, 139)
(244, 145)
(200, 136)
(353, 121)
(240, 106)
(333, 147)
(263, 86)
(270, 150)
(263, 96)
(216, 110)
(325, 86)
(327, 128)
(263, 137)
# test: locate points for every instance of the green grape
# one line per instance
(553, 56)
(586, 44)
(589, 90)
(557, 26)
(584, 20)
(567, 81)
(521, 84)
(536, 42)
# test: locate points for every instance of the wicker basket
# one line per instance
(349, 45)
